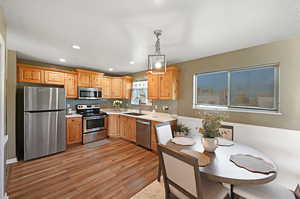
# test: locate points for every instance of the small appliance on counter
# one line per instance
(94, 123)
(41, 126)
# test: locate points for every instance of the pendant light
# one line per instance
(157, 62)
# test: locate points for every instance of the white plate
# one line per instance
(183, 141)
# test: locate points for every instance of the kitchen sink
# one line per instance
(133, 113)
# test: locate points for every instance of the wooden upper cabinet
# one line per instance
(127, 87)
(106, 87)
(84, 78)
(96, 79)
(164, 86)
(153, 84)
(116, 87)
(27, 73)
(53, 77)
(71, 85)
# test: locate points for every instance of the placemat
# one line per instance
(203, 159)
(252, 163)
(183, 141)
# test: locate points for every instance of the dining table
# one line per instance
(222, 169)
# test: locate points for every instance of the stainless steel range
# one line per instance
(94, 123)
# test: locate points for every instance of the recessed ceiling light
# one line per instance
(132, 62)
(75, 46)
(110, 69)
(62, 60)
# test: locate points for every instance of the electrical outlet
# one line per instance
(165, 108)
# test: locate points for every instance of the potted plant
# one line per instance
(117, 104)
(181, 130)
(210, 131)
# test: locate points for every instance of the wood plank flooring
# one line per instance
(115, 170)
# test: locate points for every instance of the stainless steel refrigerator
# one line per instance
(42, 126)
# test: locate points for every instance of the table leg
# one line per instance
(231, 192)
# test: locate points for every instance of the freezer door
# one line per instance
(44, 133)
(43, 98)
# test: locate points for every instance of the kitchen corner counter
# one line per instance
(153, 116)
(73, 115)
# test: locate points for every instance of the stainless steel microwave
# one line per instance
(89, 93)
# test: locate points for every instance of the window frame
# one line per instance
(229, 107)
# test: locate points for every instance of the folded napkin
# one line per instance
(252, 163)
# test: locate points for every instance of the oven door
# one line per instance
(94, 123)
(89, 93)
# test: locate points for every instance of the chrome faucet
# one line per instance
(140, 106)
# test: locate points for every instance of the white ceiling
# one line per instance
(111, 33)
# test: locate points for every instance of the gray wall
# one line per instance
(11, 103)
(284, 52)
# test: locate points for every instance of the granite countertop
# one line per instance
(73, 115)
(154, 116)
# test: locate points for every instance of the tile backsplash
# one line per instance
(171, 104)
(107, 103)
(104, 103)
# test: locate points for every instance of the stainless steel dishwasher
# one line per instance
(143, 133)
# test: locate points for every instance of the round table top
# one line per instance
(221, 169)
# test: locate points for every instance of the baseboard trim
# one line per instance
(11, 161)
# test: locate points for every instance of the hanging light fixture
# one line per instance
(157, 62)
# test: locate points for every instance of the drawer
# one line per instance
(94, 136)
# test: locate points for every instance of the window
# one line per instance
(254, 88)
(212, 88)
(139, 93)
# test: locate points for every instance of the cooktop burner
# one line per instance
(93, 114)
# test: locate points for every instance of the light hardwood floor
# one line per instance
(115, 170)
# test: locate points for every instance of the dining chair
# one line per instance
(267, 191)
(182, 177)
(163, 135)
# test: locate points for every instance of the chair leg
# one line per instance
(159, 172)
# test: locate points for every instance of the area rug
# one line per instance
(153, 191)
(98, 143)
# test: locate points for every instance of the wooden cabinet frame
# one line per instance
(164, 86)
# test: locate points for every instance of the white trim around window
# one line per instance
(229, 107)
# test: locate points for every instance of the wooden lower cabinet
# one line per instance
(153, 134)
(113, 125)
(125, 127)
(128, 128)
(74, 130)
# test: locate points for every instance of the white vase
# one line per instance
(210, 144)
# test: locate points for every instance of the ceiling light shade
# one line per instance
(110, 69)
(76, 47)
(157, 63)
(62, 60)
